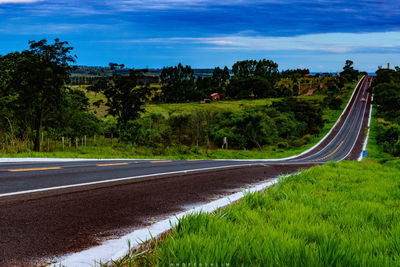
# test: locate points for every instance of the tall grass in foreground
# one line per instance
(339, 214)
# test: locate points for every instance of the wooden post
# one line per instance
(76, 142)
(70, 143)
(112, 139)
(85, 140)
(225, 143)
(62, 139)
(48, 145)
(95, 139)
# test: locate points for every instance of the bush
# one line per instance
(283, 145)
(297, 142)
(307, 138)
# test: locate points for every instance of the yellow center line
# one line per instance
(34, 169)
(111, 164)
(160, 161)
(333, 152)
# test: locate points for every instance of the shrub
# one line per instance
(297, 142)
(307, 138)
(283, 145)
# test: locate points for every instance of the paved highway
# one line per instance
(27, 176)
(48, 209)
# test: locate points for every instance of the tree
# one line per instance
(205, 86)
(125, 95)
(178, 84)
(349, 73)
(267, 69)
(219, 78)
(253, 79)
(38, 76)
(251, 87)
(75, 121)
(244, 69)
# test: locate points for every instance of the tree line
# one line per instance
(386, 90)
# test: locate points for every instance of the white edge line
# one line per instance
(125, 178)
(337, 121)
(17, 160)
(118, 248)
(359, 130)
(347, 118)
(367, 136)
(313, 147)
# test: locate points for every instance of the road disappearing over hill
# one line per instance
(49, 208)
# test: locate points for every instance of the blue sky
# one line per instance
(319, 35)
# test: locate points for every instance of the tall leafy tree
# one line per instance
(38, 76)
(244, 69)
(267, 69)
(219, 78)
(125, 95)
(349, 73)
(178, 84)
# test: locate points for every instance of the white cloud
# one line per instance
(52, 28)
(18, 1)
(329, 42)
(135, 5)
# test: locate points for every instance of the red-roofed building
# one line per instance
(310, 92)
(215, 97)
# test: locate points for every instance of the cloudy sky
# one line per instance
(319, 34)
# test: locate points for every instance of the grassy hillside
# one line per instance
(226, 105)
(327, 216)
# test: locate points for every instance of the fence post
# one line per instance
(62, 142)
(76, 142)
(85, 140)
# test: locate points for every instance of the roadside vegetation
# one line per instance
(338, 214)
(129, 113)
(386, 90)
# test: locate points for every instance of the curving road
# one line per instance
(30, 176)
(51, 208)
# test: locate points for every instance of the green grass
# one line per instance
(375, 150)
(339, 214)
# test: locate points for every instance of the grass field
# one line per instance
(340, 214)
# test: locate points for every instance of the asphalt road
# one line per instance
(28, 176)
(76, 204)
